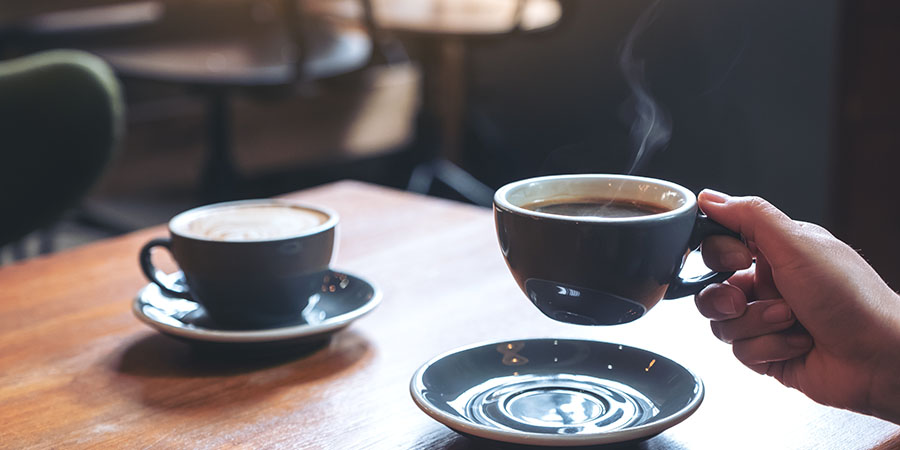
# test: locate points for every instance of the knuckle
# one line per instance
(757, 203)
(700, 302)
(714, 327)
(720, 332)
(813, 228)
(742, 351)
(820, 238)
(823, 242)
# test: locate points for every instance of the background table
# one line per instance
(78, 370)
(437, 34)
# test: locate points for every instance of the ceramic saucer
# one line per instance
(556, 392)
(342, 299)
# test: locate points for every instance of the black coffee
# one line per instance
(596, 207)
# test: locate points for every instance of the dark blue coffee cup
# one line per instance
(247, 281)
(611, 265)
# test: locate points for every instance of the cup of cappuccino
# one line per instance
(601, 249)
(250, 263)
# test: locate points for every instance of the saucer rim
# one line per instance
(529, 438)
(262, 334)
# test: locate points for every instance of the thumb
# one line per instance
(773, 232)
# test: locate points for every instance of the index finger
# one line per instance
(758, 221)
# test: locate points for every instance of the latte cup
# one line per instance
(251, 263)
(601, 249)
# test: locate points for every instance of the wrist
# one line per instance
(884, 398)
(885, 404)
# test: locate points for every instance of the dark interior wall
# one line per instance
(867, 153)
(749, 85)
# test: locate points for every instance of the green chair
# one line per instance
(61, 120)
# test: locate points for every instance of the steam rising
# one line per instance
(651, 127)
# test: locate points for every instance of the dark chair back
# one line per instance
(61, 120)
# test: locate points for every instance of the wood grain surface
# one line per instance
(77, 370)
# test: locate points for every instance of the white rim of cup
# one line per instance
(332, 221)
(690, 200)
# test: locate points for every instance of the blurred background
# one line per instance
(211, 100)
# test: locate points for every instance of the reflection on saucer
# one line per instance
(556, 392)
(312, 314)
(341, 299)
(511, 357)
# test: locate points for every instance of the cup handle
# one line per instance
(155, 275)
(703, 228)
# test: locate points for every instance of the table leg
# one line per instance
(445, 95)
(451, 96)
(219, 174)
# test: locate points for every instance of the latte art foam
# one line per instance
(250, 223)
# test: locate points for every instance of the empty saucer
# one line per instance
(342, 299)
(556, 392)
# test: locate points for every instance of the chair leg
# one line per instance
(421, 178)
(463, 182)
(46, 240)
(452, 176)
(18, 249)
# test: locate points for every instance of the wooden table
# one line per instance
(78, 370)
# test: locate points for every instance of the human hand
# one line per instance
(811, 312)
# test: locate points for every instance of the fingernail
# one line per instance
(715, 196)
(724, 304)
(735, 260)
(776, 313)
(799, 341)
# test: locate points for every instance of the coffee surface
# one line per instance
(250, 223)
(596, 207)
